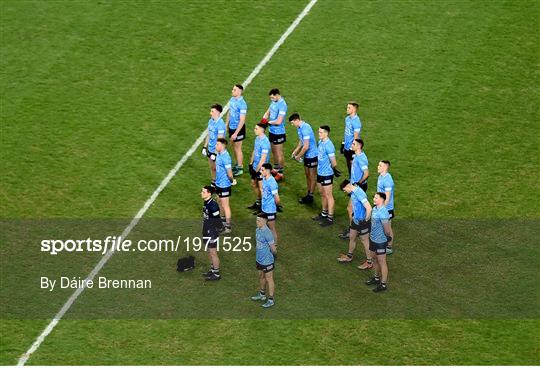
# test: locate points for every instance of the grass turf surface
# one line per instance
(100, 100)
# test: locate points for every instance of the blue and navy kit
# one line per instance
(379, 216)
(358, 167)
(305, 132)
(223, 163)
(352, 125)
(215, 130)
(385, 183)
(358, 197)
(237, 108)
(326, 152)
(263, 253)
(262, 146)
(278, 108)
(269, 189)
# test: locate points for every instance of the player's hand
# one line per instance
(264, 121)
(337, 173)
(213, 156)
(233, 137)
(279, 208)
(342, 148)
(233, 182)
(204, 151)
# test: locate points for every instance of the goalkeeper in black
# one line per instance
(211, 228)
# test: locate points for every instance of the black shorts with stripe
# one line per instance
(348, 154)
(265, 268)
(254, 175)
(362, 227)
(325, 180)
(224, 192)
(378, 248)
(277, 138)
(311, 162)
(241, 134)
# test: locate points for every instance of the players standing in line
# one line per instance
(265, 262)
(270, 199)
(210, 232)
(380, 230)
(306, 150)
(352, 132)
(224, 181)
(259, 156)
(360, 224)
(359, 176)
(385, 184)
(326, 170)
(275, 117)
(236, 122)
(216, 129)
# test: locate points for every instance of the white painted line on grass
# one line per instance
(67, 305)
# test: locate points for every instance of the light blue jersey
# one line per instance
(263, 253)
(379, 216)
(216, 129)
(358, 167)
(352, 125)
(385, 183)
(269, 189)
(223, 163)
(237, 108)
(326, 151)
(358, 198)
(262, 146)
(278, 108)
(305, 132)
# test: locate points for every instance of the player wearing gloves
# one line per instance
(236, 122)
(306, 151)
(360, 221)
(353, 126)
(326, 170)
(224, 181)
(216, 129)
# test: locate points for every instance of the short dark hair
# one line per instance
(325, 127)
(386, 162)
(218, 107)
(209, 188)
(360, 142)
(344, 183)
(353, 103)
(273, 92)
(262, 126)
(239, 86)
(382, 195)
(222, 140)
(294, 116)
(267, 166)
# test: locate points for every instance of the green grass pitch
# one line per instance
(99, 100)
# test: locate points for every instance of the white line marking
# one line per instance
(24, 358)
